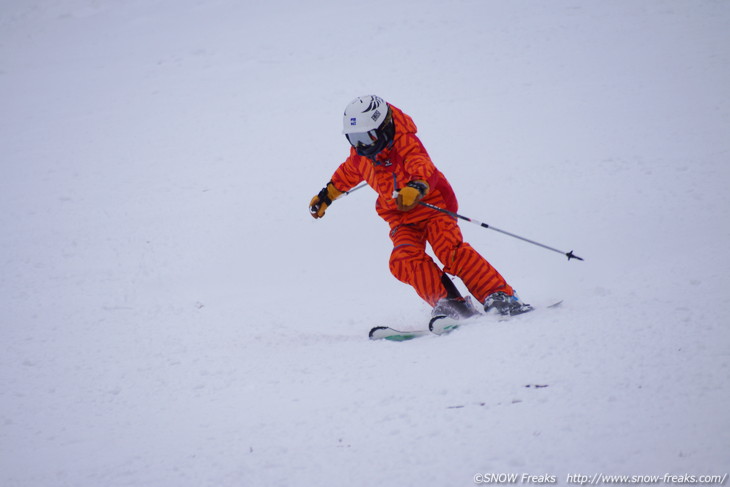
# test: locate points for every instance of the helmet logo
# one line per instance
(374, 103)
(353, 121)
(375, 115)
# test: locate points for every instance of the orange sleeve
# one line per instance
(416, 160)
(347, 175)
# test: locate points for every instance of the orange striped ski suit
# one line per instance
(403, 161)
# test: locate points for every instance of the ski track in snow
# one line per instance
(170, 314)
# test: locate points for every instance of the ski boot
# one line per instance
(455, 308)
(448, 312)
(505, 304)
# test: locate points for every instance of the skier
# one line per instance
(388, 155)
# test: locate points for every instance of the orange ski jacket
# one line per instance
(395, 166)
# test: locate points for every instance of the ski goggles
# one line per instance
(362, 139)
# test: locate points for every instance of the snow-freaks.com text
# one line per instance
(600, 479)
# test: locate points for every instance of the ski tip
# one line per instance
(375, 330)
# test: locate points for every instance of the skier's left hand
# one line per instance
(409, 196)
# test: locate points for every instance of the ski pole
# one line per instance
(570, 254)
(353, 190)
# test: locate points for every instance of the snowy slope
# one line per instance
(171, 316)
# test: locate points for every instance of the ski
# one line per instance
(437, 326)
(388, 333)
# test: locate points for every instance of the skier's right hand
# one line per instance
(323, 199)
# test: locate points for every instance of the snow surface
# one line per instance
(171, 316)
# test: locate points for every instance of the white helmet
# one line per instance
(364, 113)
(368, 125)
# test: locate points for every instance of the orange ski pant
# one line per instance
(410, 263)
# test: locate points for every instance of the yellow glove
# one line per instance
(319, 203)
(409, 196)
